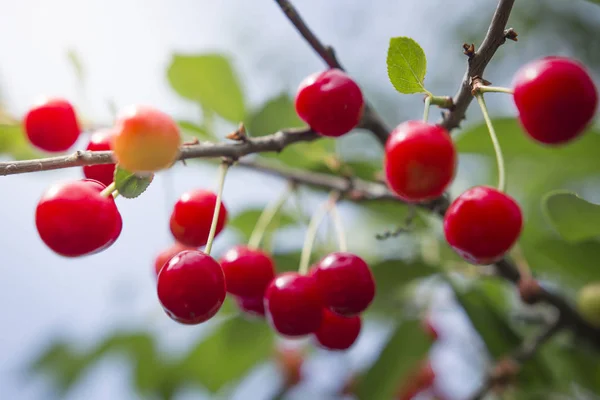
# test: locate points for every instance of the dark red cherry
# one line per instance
(420, 161)
(482, 224)
(192, 216)
(100, 141)
(330, 102)
(191, 287)
(346, 282)
(51, 125)
(73, 219)
(294, 304)
(248, 271)
(254, 306)
(556, 98)
(164, 256)
(337, 332)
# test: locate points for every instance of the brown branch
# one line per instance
(371, 120)
(477, 63)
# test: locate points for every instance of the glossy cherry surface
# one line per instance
(337, 332)
(51, 125)
(192, 216)
(100, 141)
(164, 256)
(330, 102)
(556, 98)
(420, 161)
(346, 282)
(191, 287)
(254, 306)
(294, 304)
(248, 271)
(73, 219)
(482, 224)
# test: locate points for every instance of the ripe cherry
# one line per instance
(105, 173)
(294, 304)
(192, 216)
(346, 282)
(254, 306)
(420, 161)
(337, 332)
(146, 139)
(191, 287)
(164, 256)
(51, 125)
(330, 102)
(482, 224)
(248, 271)
(73, 219)
(556, 99)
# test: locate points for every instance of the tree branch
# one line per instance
(494, 38)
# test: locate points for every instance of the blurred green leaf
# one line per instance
(572, 365)
(406, 65)
(574, 218)
(245, 221)
(228, 353)
(285, 262)
(210, 80)
(14, 143)
(196, 131)
(393, 274)
(276, 114)
(405, 349)
(131, 185)
(77, 65)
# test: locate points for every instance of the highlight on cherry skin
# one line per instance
(191, 287)
(73, 219)
(330, 102)
(420, 161)
(51, 125)
(146, 139)
(482, 224)
(165, 255)
(192, 215)
(556, 99)
(100, 141)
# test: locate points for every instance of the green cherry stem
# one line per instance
(213, 226)
(339, 228)
(494, 137)
(426, 110)
(311, 231)
(108, 190)
(267, 217)
(494, 89)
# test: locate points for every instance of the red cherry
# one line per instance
(482, 224)
(100, 141)
(51, 125)
(337, 332)
(164, 256)
(330, 102)
(294, 304)
(254, 306)
(420, 161)
(191, 287)
(346, 282)
(192, 216)
(556, 99)
(248, 271)
(73, 219)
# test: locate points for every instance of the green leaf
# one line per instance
(228, 353)
(131, 185)
(14, 143)
(210, 80)
(285, 262)
(276, 114)
(407, 65)
(196, 131)
(574, 218)
(406, 347)
(572, 364)
(245, 221)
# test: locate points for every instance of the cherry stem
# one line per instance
(267, 217)
(108, 190)
(339, 228)
(427, 106)
(213, 226)
(311, 231)
(494, 137)
(494, 89)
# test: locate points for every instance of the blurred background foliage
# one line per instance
(410, 270)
